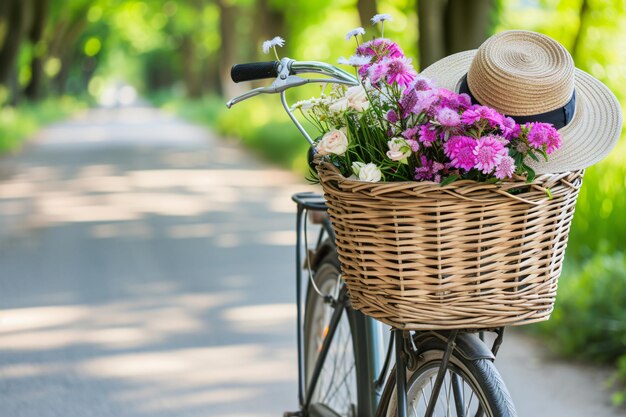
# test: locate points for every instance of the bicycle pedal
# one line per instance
(293, 414)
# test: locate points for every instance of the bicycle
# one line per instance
(344, 369)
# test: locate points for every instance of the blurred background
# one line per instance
(59, 58)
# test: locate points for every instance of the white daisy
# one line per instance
(355, 60)
(277, 41)
(380, 18)
(355, 32)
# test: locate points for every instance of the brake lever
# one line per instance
(279, 85)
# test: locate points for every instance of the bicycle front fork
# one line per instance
(402, 359)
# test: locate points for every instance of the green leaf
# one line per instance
(531, 173)
(533, 156)
(549, 193)
(449, 180)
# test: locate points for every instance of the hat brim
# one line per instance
(589, 137)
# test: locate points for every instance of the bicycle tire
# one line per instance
(359, 399)
(480, 376)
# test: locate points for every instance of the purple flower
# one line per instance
(421, 83)
(427, 136)
(509, 128)
(460, 150)
(424, 172)
(448, 117)
(505, 168)
(392, 116)
(543, 134)
(465, 101)
(489, 151)
(410, 133)
(453, 100)
(408, 101)
(475, 113)
(413, 144)
(429, 170)
(425, 99)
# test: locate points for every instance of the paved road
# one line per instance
(146, 270)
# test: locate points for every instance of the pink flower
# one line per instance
(460, 150)
(427, 136)
(377, 72)
(489, 151)
(378, 49)
(448, 117)
(394, 70)
(543, 134)
(505, 168)
(476, 113)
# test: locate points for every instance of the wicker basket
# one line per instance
(468, 255)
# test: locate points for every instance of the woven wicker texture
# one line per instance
(419, 256)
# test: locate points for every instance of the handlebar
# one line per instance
(286, 72)
(254, 71)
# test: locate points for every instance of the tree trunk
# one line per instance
(190, 75)
(33, 89)
(432, 39)
(450, 26)
(267, 24)
(228, 51)
(61, 47)
(582, 26)
(13, 38)
(469, 23)
(367, 9)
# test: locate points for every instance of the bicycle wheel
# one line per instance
(471, 388)
(344, 386)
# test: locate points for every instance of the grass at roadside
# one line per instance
(18, 123)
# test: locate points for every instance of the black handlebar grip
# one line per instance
(254, 71)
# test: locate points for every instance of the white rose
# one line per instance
(370, 172)
(339, 105)
(398, 149)
(356, 167)
(357, 98)
(333, 142)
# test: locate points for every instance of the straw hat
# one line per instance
(531, 77)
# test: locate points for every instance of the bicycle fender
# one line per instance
(471, 347)
(468, 345)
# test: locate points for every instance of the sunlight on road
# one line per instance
(147, 271)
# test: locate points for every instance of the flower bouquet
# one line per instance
(399, 126)
(440, 220)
